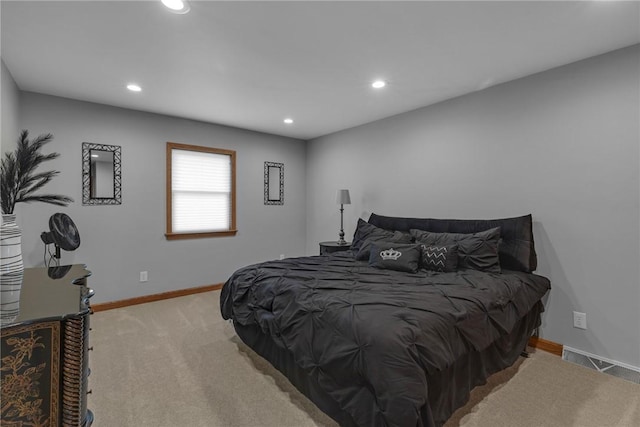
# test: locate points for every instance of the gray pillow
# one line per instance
(394, 256)
(478, 251)
(516, 250)
(439, 258)
(366, 234)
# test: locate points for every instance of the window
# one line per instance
(201, 196)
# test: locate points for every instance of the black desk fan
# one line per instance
(64, 235)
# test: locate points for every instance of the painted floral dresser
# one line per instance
(44, 362)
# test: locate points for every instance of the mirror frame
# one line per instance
(86, 175)
(269, 185)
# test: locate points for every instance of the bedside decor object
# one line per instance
(18, 183)
(342, 198)
(101, 174)
(64, 234)
(11, 268)
(273, 183)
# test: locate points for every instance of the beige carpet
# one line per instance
(177, 363)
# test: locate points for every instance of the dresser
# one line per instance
(45, 350)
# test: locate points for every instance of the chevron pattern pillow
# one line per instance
(439, 258)
(478, 251)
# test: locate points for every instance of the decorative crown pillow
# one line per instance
(366, 234)
(478, 251)
(439, 258)
(395, 256)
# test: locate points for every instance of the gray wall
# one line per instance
(9, 107)
(120, 241)
(561, 145)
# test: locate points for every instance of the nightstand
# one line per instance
(327, 248)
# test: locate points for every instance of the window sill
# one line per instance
(178, 236)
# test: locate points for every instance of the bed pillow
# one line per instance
(439, 258)
(478, 251)
(395, 256)
(366, 234)
(516, 251)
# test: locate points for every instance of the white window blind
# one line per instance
(201, 191)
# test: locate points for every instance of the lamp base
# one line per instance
(341, 241)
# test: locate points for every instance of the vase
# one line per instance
(11, 268)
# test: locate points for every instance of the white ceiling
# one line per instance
(251, 64)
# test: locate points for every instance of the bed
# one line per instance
(374, 337)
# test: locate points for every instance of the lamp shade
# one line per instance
(342, 197)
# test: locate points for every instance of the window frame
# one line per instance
(170, 234)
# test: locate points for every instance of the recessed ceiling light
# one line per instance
(378, 84)
(288, 121)
(177, 6)
(134, 87)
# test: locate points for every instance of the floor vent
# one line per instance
(600, 364)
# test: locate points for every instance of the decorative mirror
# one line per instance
(101, 181)
(273, 183)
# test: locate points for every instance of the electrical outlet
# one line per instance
(144, 276)
(579, 320)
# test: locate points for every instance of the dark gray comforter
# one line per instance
(371, 337)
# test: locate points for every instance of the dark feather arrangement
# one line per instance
(19, 178)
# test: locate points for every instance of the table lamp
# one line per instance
(342, 198)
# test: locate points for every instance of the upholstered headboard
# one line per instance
(516, 251)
